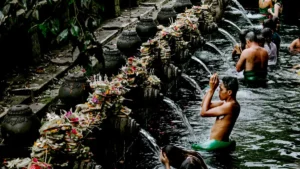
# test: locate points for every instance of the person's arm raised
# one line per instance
(217, 111)
(241, 63)
(207, 105)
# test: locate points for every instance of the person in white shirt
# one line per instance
(270, 46)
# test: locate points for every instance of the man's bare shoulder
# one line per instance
(231, 107)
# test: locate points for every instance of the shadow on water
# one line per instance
(267, 131)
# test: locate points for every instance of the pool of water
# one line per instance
(267, 131)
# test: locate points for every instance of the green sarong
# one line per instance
(212, 145)
(255, 78)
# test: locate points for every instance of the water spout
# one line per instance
(231, 23)
(227, 35)
(192, 82)
(179, 112)
(199, 61)
(154, 147)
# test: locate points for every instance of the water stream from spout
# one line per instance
(243, 11)
(153, 146)
(227, 35)
(178, 111)
(193, 83)
(233, 24)
(237, 3)
(199, 61)
(214, 47)
(223, 57)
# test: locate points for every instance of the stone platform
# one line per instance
(40, 88)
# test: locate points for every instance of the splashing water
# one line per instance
(199, 61)
(179, 112)
(154, 147)
(231, 23)
(227, 35)
(192, 82)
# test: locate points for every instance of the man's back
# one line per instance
(256, 59)
(295, 45)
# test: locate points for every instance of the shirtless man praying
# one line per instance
(226, 112)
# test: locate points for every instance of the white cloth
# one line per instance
(272, 51)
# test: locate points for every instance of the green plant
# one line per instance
(57, 21)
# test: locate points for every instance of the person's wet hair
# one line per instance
(191, 163)
(175, 155)
(267, 33)
(178, 155)
(231, 83)
(242, 36)
(250, 36)
(260, 40)
(269, 23)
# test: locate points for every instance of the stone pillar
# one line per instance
(117, 9)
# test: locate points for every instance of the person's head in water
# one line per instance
(177, 156)
(250, 38)
(260, 40)
(242, 35)
(191, 163)
(228, 87)
(267, 34)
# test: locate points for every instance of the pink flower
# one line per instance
(35, 160)
(74, 119)
(35, 167)
(95, 100)
(74, 131)
(68, 114)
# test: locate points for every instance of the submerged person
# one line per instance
(238, 48)
(181, 159)
(276, 10)
(295, 46)
(270, 46)
(264, 5)
(254, 62)
(226, 112)
(270, 23)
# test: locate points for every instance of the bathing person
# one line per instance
(272, 24)
(238, 48)
(277, 23)
(181, 159)
(226, 112)
(295, 46)
(270, 46)
(264, 5)
(276, 10)
(254, 62)
(260, 40)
